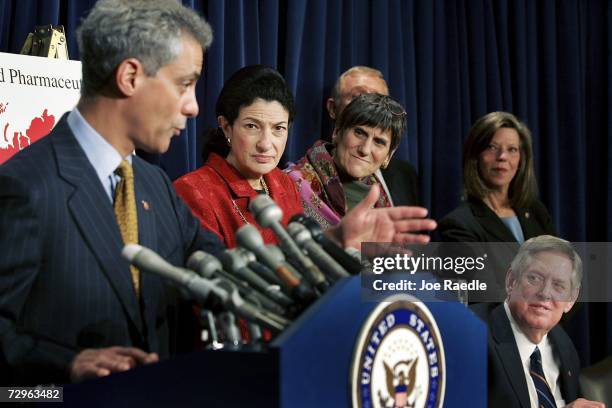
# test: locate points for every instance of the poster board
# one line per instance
(34, 93)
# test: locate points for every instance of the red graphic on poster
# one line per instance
(13, 141)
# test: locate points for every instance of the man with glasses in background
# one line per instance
(532, 361)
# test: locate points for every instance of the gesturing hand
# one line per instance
(91, 363)
(393, 224)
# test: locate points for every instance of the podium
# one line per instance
(308, 365)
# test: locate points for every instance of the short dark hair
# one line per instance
(250, 83)
(242, 89)
(376, 111)
(148, 30)
(523, 187)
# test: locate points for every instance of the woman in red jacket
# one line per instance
(254, 112)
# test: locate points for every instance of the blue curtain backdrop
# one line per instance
(448, 62)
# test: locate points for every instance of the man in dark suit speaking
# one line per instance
(67, 299)
(532, 361)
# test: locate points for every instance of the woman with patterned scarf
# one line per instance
(333, 177)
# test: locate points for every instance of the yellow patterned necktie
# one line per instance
(125, 211)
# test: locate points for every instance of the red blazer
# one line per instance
(209, 192)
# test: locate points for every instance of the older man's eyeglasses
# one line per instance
(557, 289)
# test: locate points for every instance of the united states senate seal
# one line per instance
(398, 360)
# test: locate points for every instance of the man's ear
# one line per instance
(568, 305)
(510, 281)
(128, 75)
(335, 136)
(331, 108)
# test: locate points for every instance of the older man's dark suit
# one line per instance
(63, 284)
(402, 181)
(507, 382)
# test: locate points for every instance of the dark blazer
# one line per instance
(402, 182)
(506, 378)
(64, 286)
(474, 221)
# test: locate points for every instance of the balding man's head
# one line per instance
(353, 82)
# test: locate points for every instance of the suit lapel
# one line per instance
(147, 233)
(93, 214)
(491, 222)
(529, 227)
(397, 189)
(568, 384)
(507, 351)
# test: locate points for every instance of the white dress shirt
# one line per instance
(550, 362)
(102, 155)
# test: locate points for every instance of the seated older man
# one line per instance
(532, 361)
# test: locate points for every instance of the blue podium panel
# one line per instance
(316, 352)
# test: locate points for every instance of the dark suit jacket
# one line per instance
(402, 182)
(506, 378)
(474, 221)
(63, 283)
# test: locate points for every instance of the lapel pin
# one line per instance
(527, 214)
(145, 205)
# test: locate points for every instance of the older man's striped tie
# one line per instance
(125, 211)
(545, 397)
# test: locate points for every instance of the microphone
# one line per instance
(147, 260)
(354, 252)
(209, 333)
(257, 266)
(251, 312)
(237, 264)
(208, 266)
(249, 237)
(255, 332)
(269, 215)
(276, 252)
(347, 261)
(227, 321)
(326, 263)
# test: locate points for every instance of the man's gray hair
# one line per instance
(358, 69)
(551, 244)
(148, 30)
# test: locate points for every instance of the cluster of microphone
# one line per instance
(266, 285)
